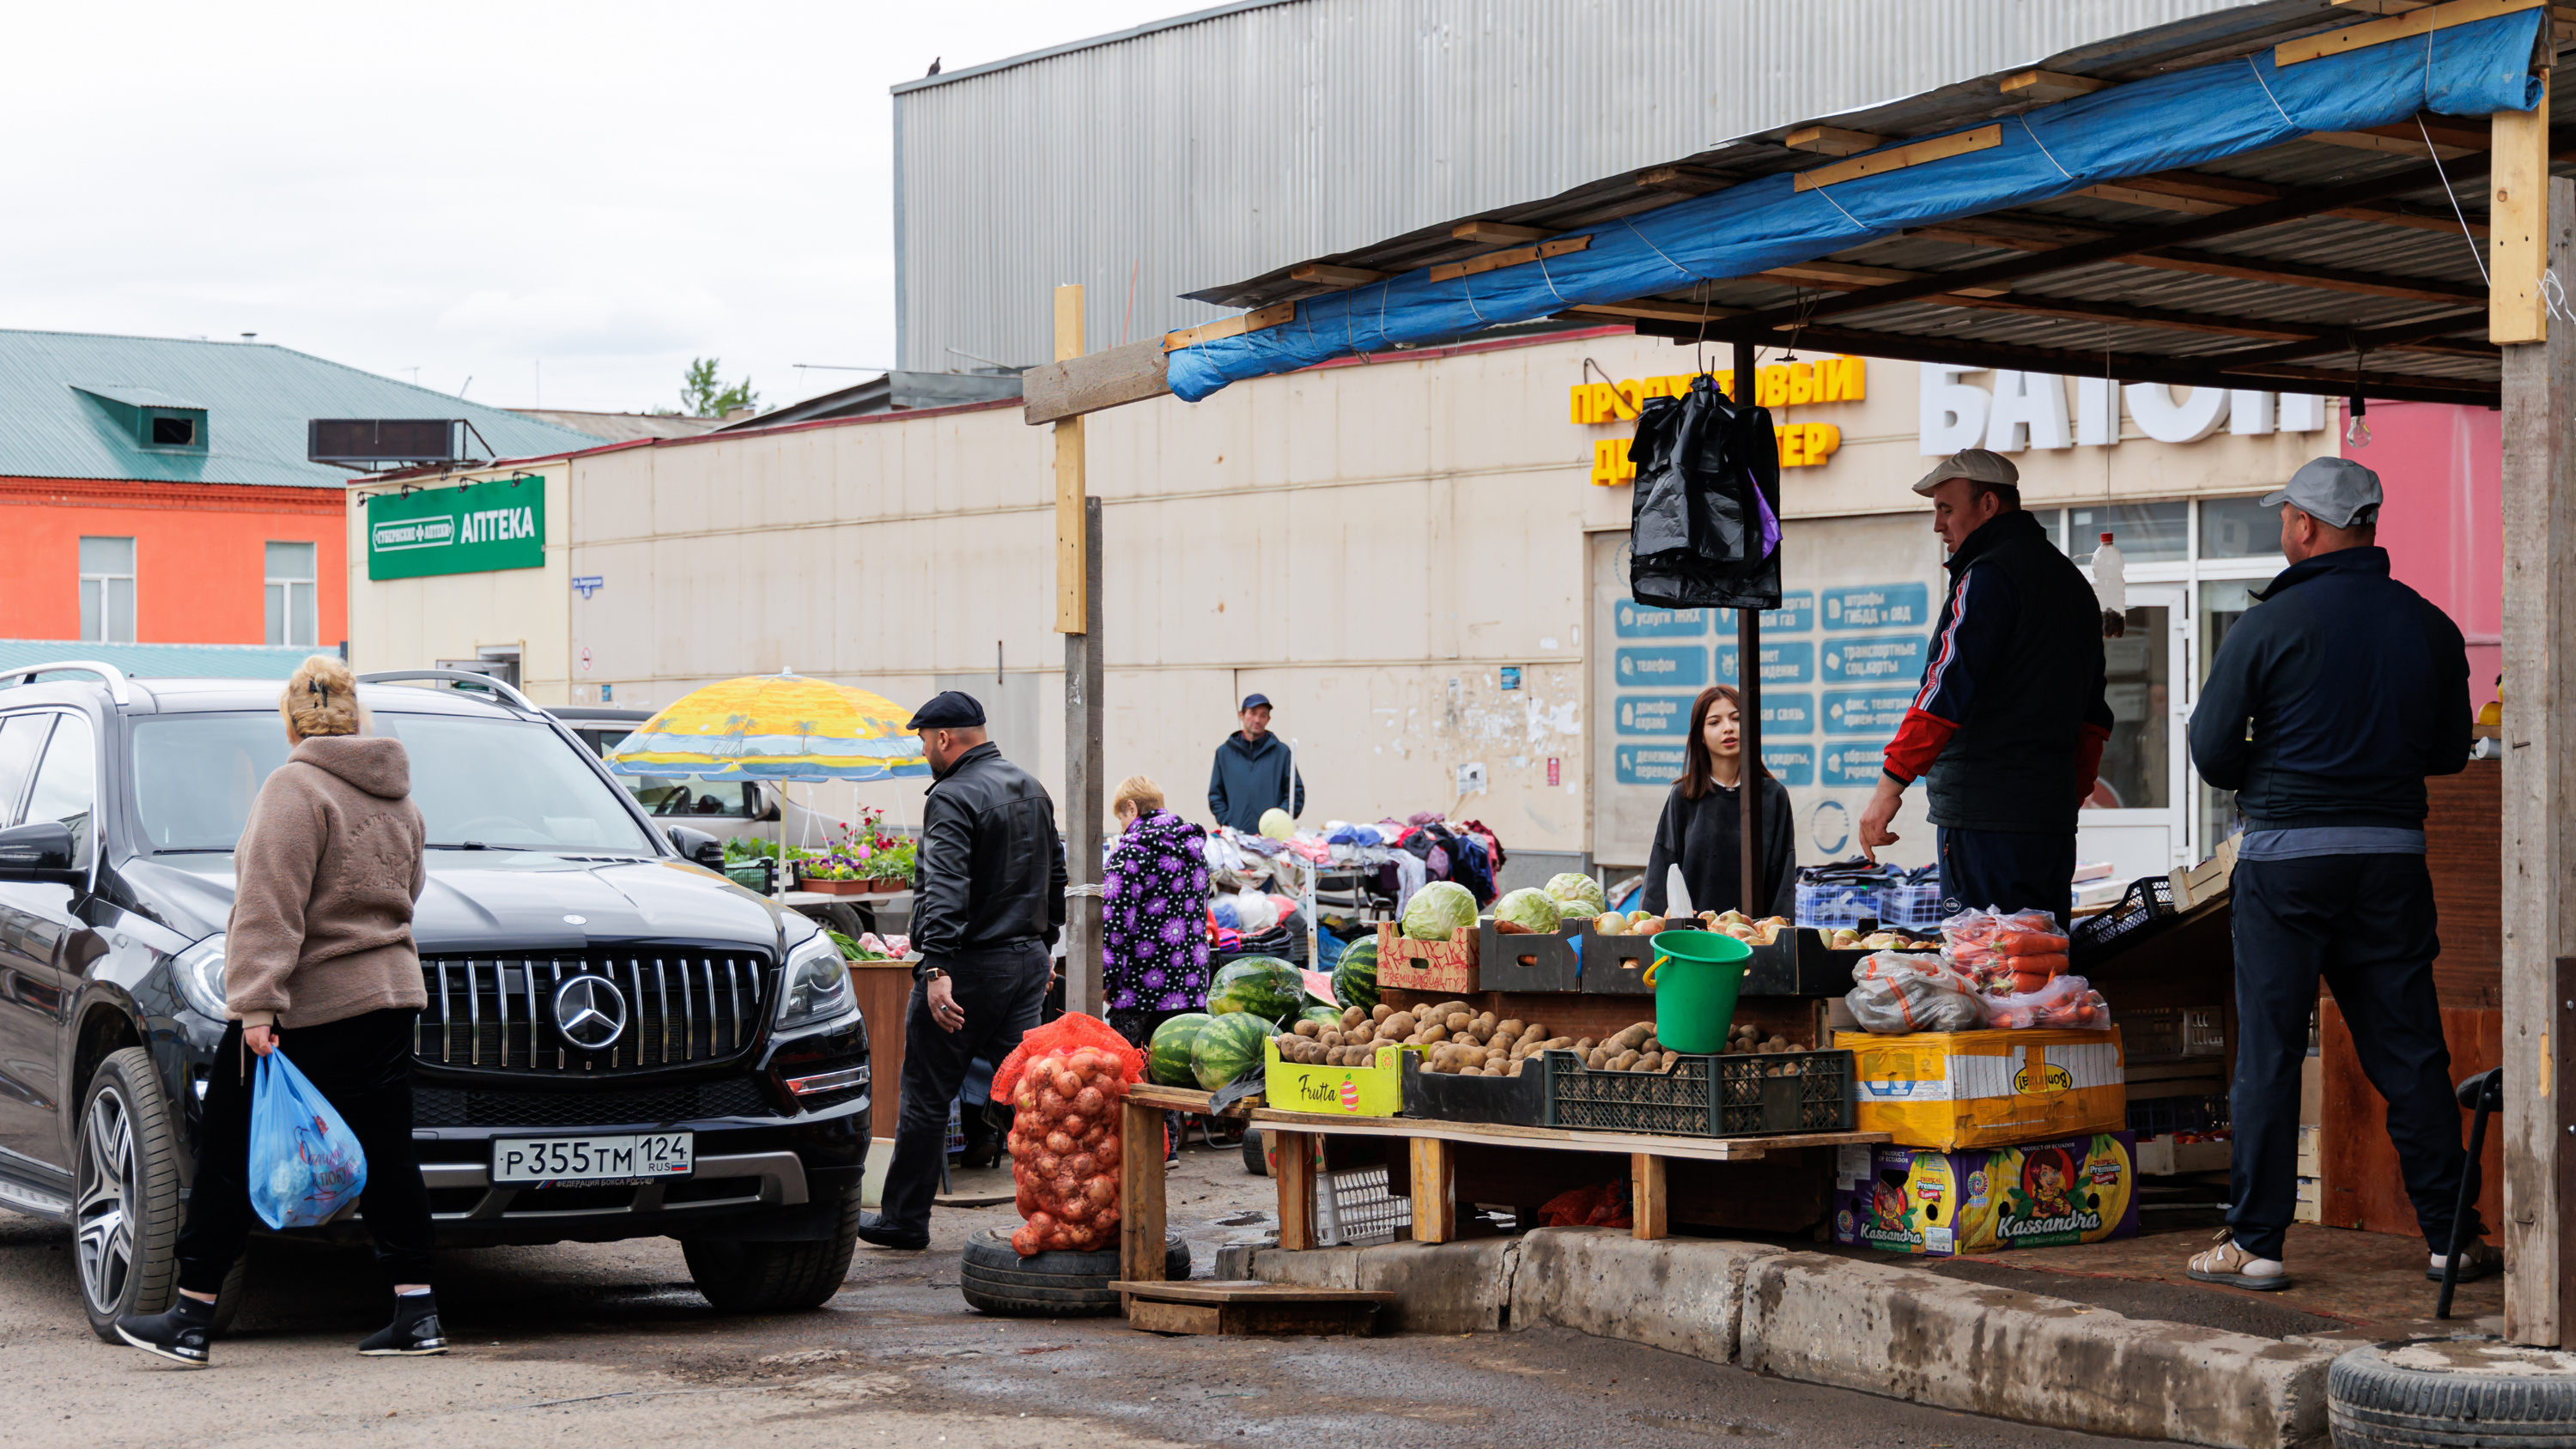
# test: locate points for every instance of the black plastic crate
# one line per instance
(1440, 1097)
(1612, 965)
(2156, 1116)
(1796, 964)
(2144, 909)
(1749, 1094)
(1526, 961)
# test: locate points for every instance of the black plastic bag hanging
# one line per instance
(1705, 527)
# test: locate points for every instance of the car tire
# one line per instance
(125, 1196)
(228, 1298)
(2446, 1393)
(1254, 1161)
(998, 1281)
(765, 1277)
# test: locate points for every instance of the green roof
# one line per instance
(65, 401)
(159, 661)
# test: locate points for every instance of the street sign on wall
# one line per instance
(480, 528)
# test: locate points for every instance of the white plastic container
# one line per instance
(2110, 578)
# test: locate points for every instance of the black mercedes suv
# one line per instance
(618, 1042)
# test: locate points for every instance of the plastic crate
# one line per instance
(1525, 961)
(2144, 909)
(2156, 1116)
(1356, 1209)
(2157, 1034)
(1827, 904)
(1440, 1097)
(1912, 907)
(1742, 1095)
(753, 875)
(1615, 965)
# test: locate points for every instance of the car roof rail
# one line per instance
(467, 677)
(114, 676)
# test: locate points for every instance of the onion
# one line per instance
(1065, 1185)
(1105, 1152)
(1060, 1143)
(1101, 1189)
(1090, 1102)
(1052, 1104)
(1045, 1165)
(1074, 1124)
(1084, 1165)
(1042, 1222)
(1068, 1082)
(1075, 1209)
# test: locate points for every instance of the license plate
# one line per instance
(605, 1158)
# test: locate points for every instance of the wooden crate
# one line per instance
(1243, 1308)
(1444, 966)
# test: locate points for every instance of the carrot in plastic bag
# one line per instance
(2031, 943)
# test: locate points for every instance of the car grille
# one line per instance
(499, 1012)
(459, 1107)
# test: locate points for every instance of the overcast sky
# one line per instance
(562, 202)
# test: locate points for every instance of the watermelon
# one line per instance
(1227, 1047)
(1168, 1060)
(1260, 986)
(1355, 978)
(1328, 1015)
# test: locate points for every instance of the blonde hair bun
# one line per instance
(321, 698)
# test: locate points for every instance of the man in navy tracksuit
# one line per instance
(2008, 727)
(2325, 709)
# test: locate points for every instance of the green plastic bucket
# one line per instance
(1696, 975)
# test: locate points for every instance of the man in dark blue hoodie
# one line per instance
(2325, 709)
(1251, 772)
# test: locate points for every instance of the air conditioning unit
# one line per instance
(384, 442)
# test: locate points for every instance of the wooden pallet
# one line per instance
(1244, 1308)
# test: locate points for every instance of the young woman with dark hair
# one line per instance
(1703, 820)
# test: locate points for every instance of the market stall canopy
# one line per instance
(2260, 199)
(775, 727)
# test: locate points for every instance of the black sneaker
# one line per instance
(886, 1235)
(413, 1332)
(179, 1335)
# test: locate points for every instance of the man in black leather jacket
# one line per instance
(988, 900)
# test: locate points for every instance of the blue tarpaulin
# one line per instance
(2185, 119)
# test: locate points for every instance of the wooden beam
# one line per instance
(1093, 381)
(1913, 153)
(1832, 141)
(2050, 85)
(2395, 337)
(1292, 1165)
(2538, 1233)
(1835, 273)
(1657, 309)
(1514, 257)
(2518, 188)
(1140, 1192)
(1682, 180)
(2162, 201)
(1330, 275)
(1649, 1202)
(1072, 602)
(1278, 315)
(1990, 232)
(2183, 190)
(1495, 231)
(2413, 25)
(2387, 145)
(1435, 1203)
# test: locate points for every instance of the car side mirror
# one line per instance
(42, 851)
(764, 806)
(693, 845)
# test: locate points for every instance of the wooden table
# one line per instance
(1141, 1223)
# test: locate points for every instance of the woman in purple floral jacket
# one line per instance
(1154, 901)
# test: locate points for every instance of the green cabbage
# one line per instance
(1580, 894)
(1535, 910)
(1438, 909)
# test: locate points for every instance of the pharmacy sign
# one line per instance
(478, 528)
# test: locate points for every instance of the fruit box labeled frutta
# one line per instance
(1373, 1091)
(2038, 1195)
(1948, 1090)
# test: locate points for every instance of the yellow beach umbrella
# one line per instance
(775, 727)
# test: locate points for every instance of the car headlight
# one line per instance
(199, 970)
(815, 987)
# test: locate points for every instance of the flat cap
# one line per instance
(2333, 491)
(948, 710)
(1974, 464)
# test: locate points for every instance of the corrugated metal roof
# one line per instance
(257, 400)
(158, 661)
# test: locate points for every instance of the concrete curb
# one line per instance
(1873, 1327)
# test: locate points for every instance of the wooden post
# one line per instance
(1647, 1200)
(1748, 683)
(2539, 832)
(2518, 219)
(1435, 1210)
(1140, 1193)
(1077, 574)
(1293, 1165)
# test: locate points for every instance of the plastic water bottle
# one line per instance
(2110, 578)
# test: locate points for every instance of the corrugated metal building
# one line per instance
(1225, 142)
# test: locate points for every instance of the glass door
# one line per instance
(2137, 819)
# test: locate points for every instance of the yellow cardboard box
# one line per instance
(1948, 1090)
(1375, 1091)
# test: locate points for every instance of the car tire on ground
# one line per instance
(2452, 1392)
(997, 1280)
(1253, 1160)
(125, 1198)
(762, 1277)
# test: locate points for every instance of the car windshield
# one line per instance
(483, 781)
(690, 795)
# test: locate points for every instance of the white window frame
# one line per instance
(282, 590)
(133, 594)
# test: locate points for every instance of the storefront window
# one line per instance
(2237, 528)
(2146, 532)
(2137, 762)
(2222, 603)
(2053, 521)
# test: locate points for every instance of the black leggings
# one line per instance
(363, 1065)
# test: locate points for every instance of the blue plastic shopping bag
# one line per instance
(305, 1163)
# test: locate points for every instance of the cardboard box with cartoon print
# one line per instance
(1936, 1204)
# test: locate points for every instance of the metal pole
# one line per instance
(1748, 682)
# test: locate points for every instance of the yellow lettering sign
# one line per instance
(1610, 465)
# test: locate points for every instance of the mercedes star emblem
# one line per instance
(590, 1012)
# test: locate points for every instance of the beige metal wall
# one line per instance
(413, 623)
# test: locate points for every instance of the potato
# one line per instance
(1401, 1024)
(1379, 1012)
(1495, 1056)
(1353, 1016)
(1435, 1033)
(1307, 1026)
(1512, 1024)
(1598, 1059)
(1648, 1061)
(1623, 1061)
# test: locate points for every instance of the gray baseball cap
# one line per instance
(2333, 491)
(1975, 464)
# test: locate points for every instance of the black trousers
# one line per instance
(2015, 869)
(1001, 991)
(2365, 923)
(363, 1065)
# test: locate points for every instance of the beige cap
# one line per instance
(1974, 464)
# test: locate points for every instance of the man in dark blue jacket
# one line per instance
(1251, 773)
(2325, 709)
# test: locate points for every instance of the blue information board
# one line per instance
(1794, 762)
(1796, 615)
(1878, 606)
(1632, 620)
(1682, 665)
(1653, 714)
(1646, 764)
(1872, 712)
(1791, 661)
(1790, 713)
(1843, 764)
(1890, 659)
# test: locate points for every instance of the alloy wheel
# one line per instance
(103, 1215)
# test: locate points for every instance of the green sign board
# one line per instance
(479, 528)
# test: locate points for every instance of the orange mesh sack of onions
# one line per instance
(1067, 1082)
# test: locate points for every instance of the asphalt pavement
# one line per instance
(608, 1344)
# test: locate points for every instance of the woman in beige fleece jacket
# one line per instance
(319, 957)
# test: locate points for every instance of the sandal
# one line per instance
(2232, 1266)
